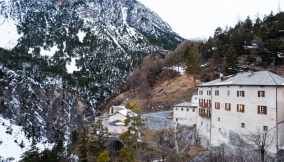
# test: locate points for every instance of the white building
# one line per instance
(245, 104)
(186, 113)
(115, 120)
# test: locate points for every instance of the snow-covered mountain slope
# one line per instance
(43, 109)
(13, 141)
(100, 40)
(8, 32)
(67, 57)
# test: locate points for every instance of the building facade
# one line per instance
(185, 114)
(246, 104)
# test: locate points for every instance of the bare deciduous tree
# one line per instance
(262, 141)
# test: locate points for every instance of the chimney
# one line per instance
(251, 73)
(221, 76)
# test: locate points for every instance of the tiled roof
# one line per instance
(260, 78)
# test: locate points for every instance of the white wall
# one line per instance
(231, 120)
(203, 123)
(280, 109)
(185, 115)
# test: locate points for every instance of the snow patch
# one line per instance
(12, 136)
(48, 52)
(71, 66)
(115, 41)
(81, 35)
(53, 81)
(8, 32)
(124, 14)
(179, 69)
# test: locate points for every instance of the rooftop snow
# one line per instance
(185, 104)
(260, 78)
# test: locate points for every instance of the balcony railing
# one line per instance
(205, 113)
(205, 104)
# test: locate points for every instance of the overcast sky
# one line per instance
(199, 18)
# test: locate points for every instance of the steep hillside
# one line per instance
(61, 59)
(13, 141)
(166, 92)
(100, 41)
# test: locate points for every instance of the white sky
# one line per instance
(199, 18)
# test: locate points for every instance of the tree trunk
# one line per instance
(175, 138)
(262, 154)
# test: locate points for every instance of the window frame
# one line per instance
(261, 94)
(265, 128)
(228, 106)
(217, 105)
(209, 93)
(241, 93)
(262, 110)
(217, 93)
(228, 93)
(241, 108)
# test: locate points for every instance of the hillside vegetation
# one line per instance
(162, 80)
(250, 45)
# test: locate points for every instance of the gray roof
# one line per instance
(260, 78)
(185, 104)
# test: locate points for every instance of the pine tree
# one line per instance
(98, 136)
(230, 62)
(126, 155)
(192, 57)
(192, 60)
(82, 146)
(31, 155)
(103, 157)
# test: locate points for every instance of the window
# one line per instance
(228, 93)
(209, 93)
(243, 125)
(182, 109)
(265, 128)
(176, 108)
(217, 105)
(193, 110)
(200, 92)
(240, 93)
(217, 93)
(227, 106)
(219, 119)
(261, 93)
(187, 109)
(208, 104)
(240, 108)
(176, 119)
(262, 109)
(205, 103)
